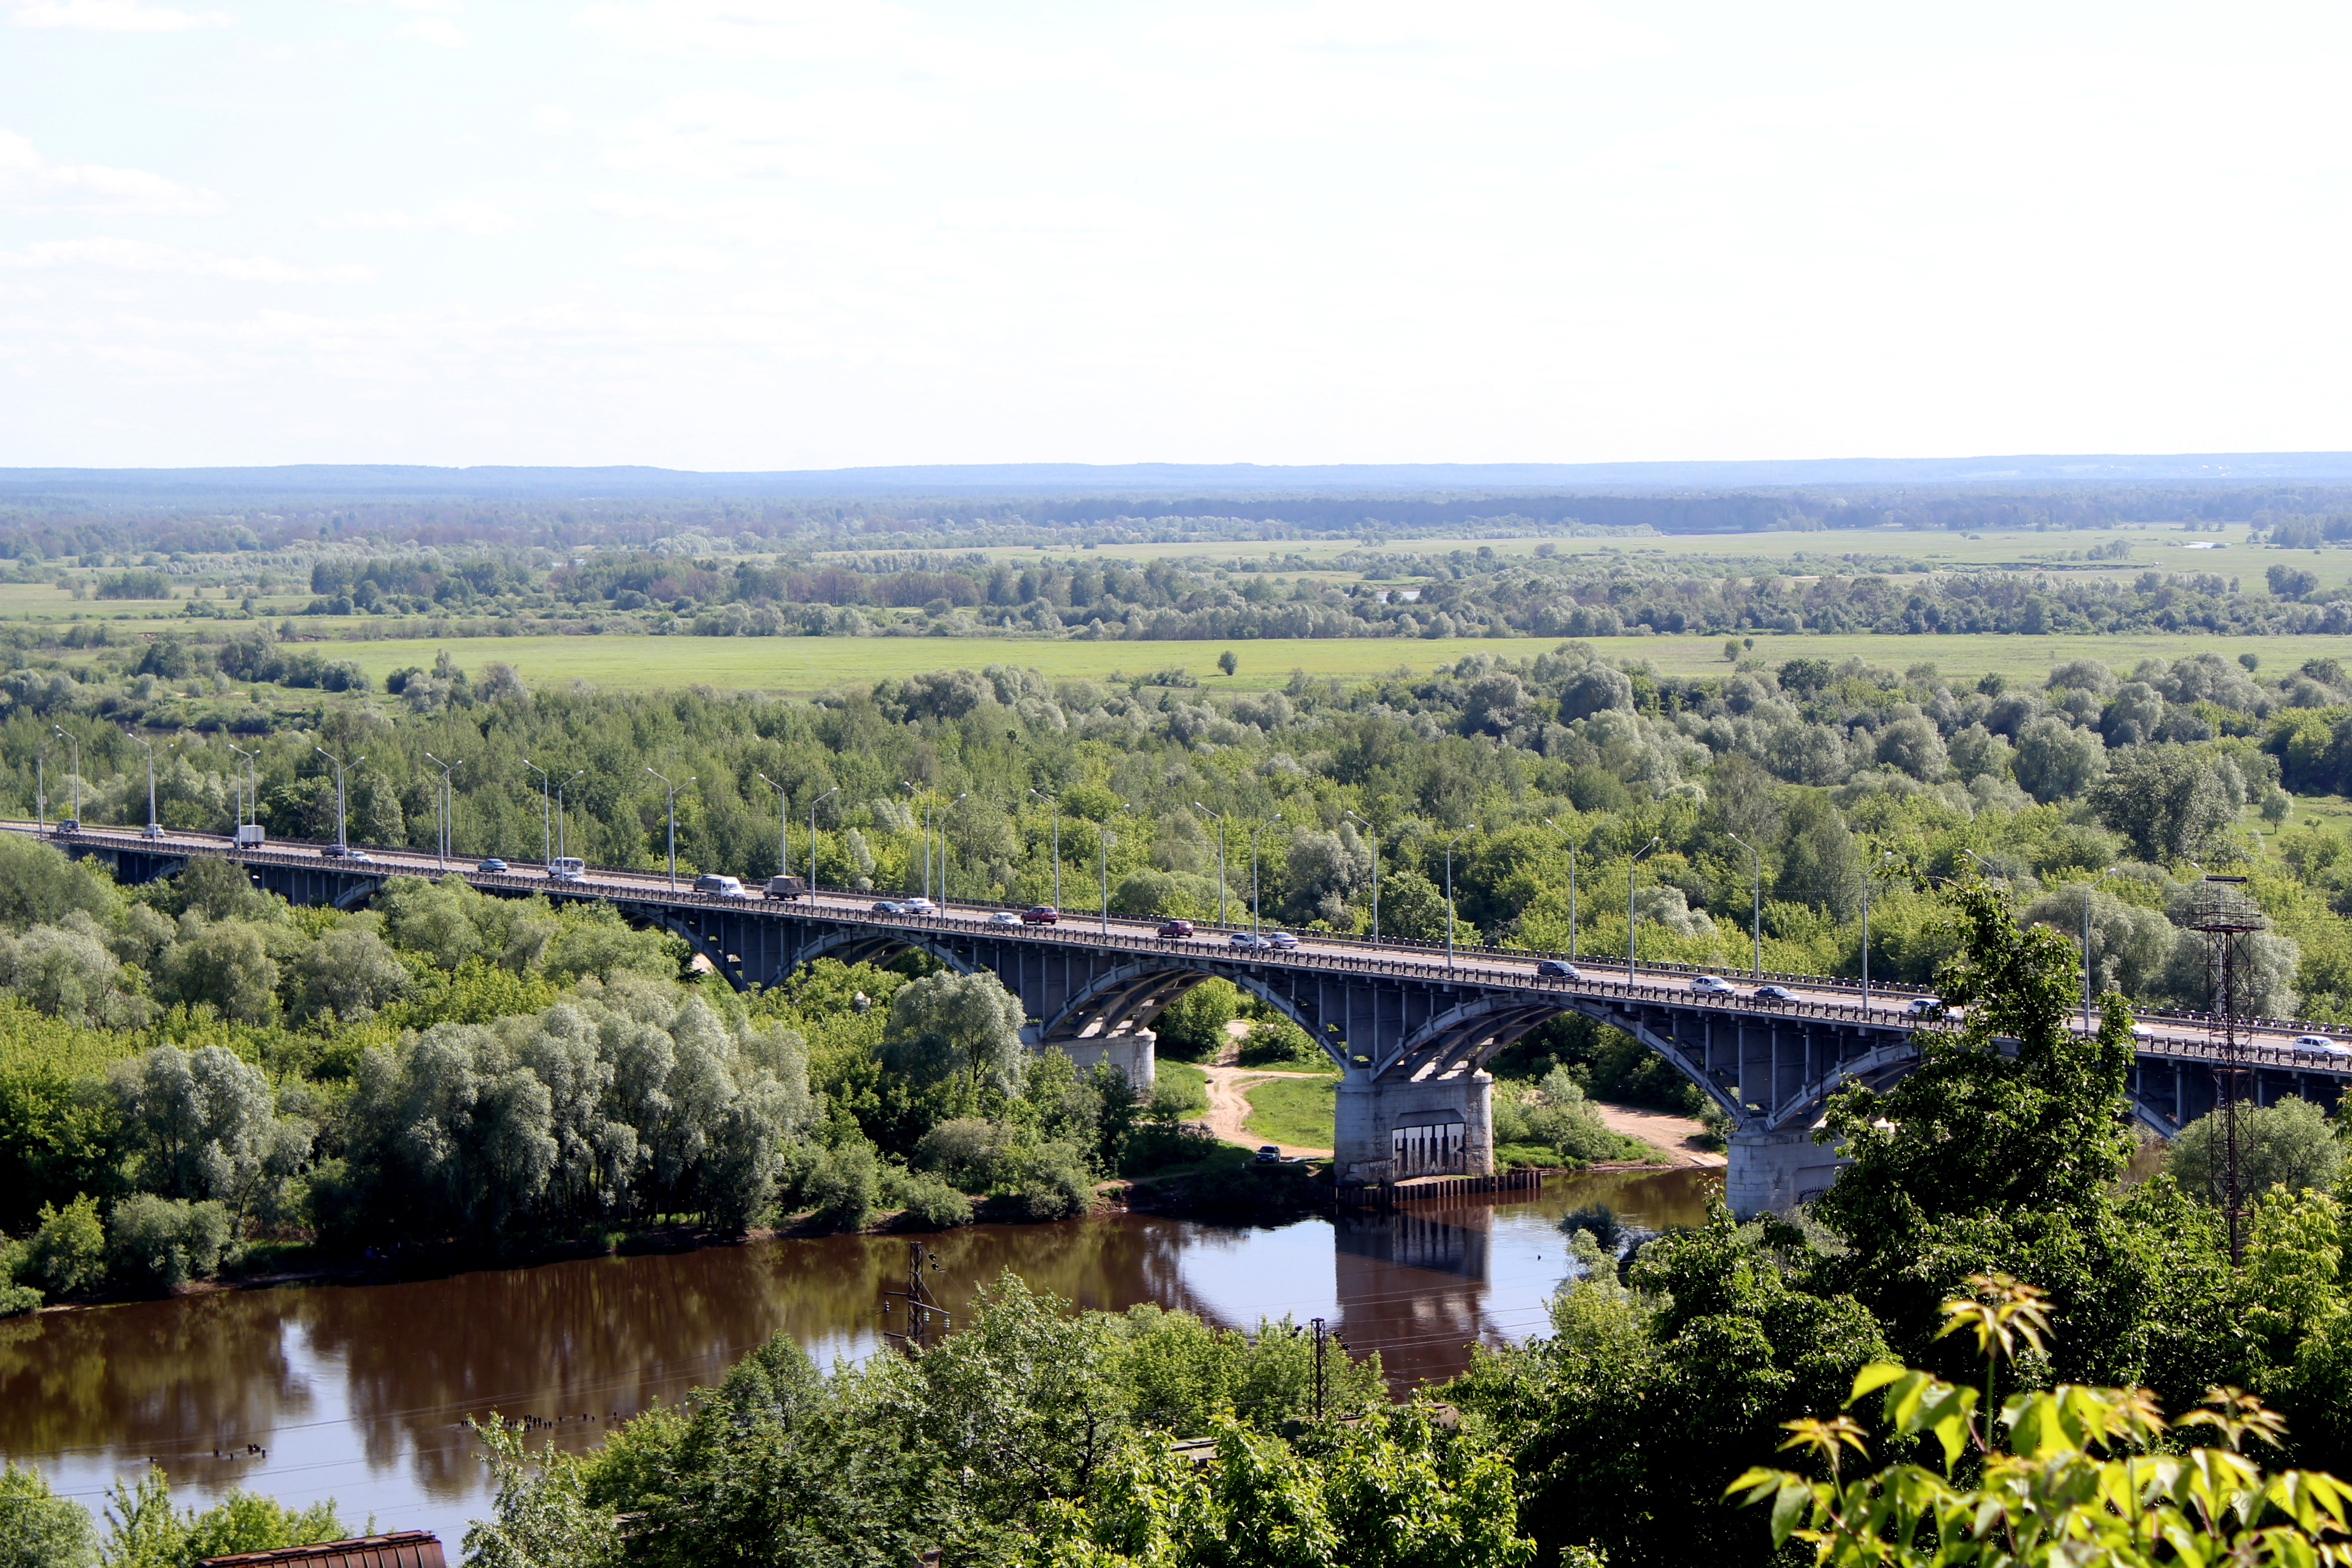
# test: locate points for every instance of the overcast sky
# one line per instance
(763, 233)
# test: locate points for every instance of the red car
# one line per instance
(1176, 929)
(1041, 915)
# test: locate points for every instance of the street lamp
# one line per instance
(812, 806)
(923, 801)
(1254, 831)
(546, 830)
(1449, 892)
(673, 822)
(1221, 860)
(562, 848)
(76, 745)
(341, 843)
(1376, 873)
(1755, 915)
(41, 790)
(1636, 860)
(2088, 888)
(251, 789)
(1866, 875)
(154, 829)
(1105, 839)
(445, 802)
(1556, 827)
(1055, 803)
(783, 845)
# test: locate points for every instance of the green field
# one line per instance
(1185, 1078)
(802, 665)
(1298, 1111)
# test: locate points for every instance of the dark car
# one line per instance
(1041, 915)
(1269, 1155)
(67, 825)
(1553, 969)
(1774, 993)
(1176, 927)
(492, 864)
(888, 908)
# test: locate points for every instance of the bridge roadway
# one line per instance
(1411, 1032)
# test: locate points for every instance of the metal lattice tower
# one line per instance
(2222, 911)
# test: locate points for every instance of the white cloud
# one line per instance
(553, 117)
(676, 258)
(792, 30)
(439, 31)
(31, 183)
(141, 256)
(727, 132)
(115, 17)
(478, 218)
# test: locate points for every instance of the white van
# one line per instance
(567, 869)
(711, 882)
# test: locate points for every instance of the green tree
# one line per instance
(1227, 662)
(2171, 803)
(1819, 864)
(1192, 1027)
(39, 1529)
(68, 1253)
(2289, 1143)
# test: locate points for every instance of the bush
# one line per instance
(929, 1201)
(844, 1188)
(1193, 1026)
(163, 1243)
(1054, 1184)
(2289, 1143)
(1274, 1041)
(68, 1253)
(44, 1529)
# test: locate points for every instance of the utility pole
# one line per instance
(673, 823)
(1556, 827)
(446, 802)
(251, 789)
(1105, 839)
(812, 806)
(341, 842)
(1221, 861)
(41, 792)
(1254, 831)
(546, 834)
(1756, 881)
(2088, 888)
(1055, 803)
(561, 848)
(946, 825)
(153, 829)
(923, 800)
(1636, 860)
(1866, 875)
(1375, 833)
(2224, 915)
(1322, 1344)
(922, 1309)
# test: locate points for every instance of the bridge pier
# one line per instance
(1388, 1129)
(1777, 1171)
(1134, 1052)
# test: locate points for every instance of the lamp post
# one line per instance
(673, 823)
(546, 834)
(1866, 875)
(1449, 892)
(1756, 882)
(252, 788)
(1221, 860)
(1105, 840)
(812, 806)
(1636, 860)
(1556, 827)
(1376, 874)
(41, 792)
(924, 802)
(153, 830)
(561, 846)
(783, 815)
(1254, 831)
(2088, 888)
(1055, 803)
(341, 843)
(444, 803)
(76, 745)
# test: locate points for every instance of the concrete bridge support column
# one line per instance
(1134, 1052)
(1777, 1171)
(1388, 1129)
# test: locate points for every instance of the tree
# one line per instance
(206, 1125)
(1192, 1027)
(1819, 864)
(223, 964)
(2289, 1143)
(2173, 804)
(349, 972)
(39, 885)
(1597, 689)
(2055, 760)
(1227, 662)
(39, 1529)
(947, 1025)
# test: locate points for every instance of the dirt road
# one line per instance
(1669, 1134)
(1229, 1107)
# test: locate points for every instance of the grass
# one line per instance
(1190, 1079)
(1298, 1111)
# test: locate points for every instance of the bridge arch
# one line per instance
(1136, 993)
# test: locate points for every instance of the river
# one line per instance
(360, 1391)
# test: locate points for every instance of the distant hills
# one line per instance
(320, 483)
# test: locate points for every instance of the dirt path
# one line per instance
(1229, 1106)
(1671, 1135)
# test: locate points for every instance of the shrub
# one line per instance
(1277, 1042)
(844, 1188)
(1194, 1025)
(929, 1201)
(1054, 1184)
(68, 1253)
(163, 1243)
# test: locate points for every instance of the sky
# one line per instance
(769, 233)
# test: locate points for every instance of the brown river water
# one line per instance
(360, 1391)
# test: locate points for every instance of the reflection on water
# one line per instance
(360, 1391)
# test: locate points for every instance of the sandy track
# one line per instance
(1669, 1134)
(1229, 1107)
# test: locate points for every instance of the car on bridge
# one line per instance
(1920, 1006)
(888, 907)
(1713, 986)
(918, 907)
(1773, 993)
(786, 887)
(567, 869)
(1554, 969)
(1281, 938)
(2321, 1046)
(1247, 939)
(1041, 915)
(1176, 931)
(1003, 918)
(491, 865)
(65, 826)
(717, 886)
